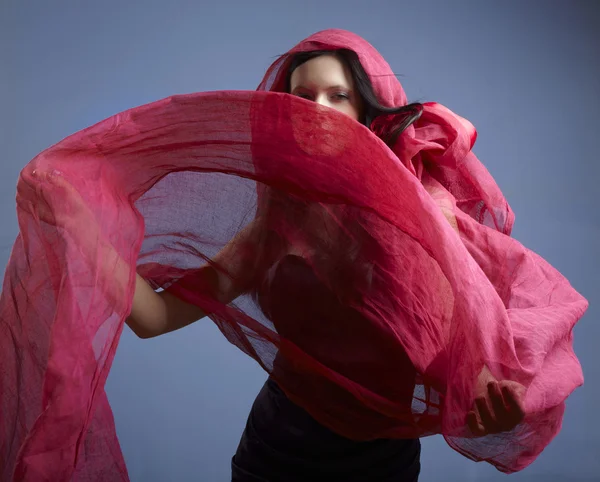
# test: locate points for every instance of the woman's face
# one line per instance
(327, 81)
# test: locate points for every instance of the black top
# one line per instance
(281, 441)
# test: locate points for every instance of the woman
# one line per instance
(290, 444)
(393, 304)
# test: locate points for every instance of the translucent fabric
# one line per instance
(413, 242)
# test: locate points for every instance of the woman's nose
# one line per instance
(323, 100)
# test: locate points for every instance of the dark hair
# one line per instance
(406, 114)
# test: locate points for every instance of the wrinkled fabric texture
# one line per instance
(413, 240)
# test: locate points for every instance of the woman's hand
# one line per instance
(53, 189)
(51, 198)
(498, 406)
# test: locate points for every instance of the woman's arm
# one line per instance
(152, 314)
(155, 314)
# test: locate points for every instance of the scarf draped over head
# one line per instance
(419, 287)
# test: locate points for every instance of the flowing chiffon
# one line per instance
(413, 239)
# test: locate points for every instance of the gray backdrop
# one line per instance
(526, 73)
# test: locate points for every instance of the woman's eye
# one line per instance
(303, 96)
(341, 96)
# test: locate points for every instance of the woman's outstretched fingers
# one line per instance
(488, 419)
(514, 403)
(474, 424)
(498, 405)
(499, 409)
